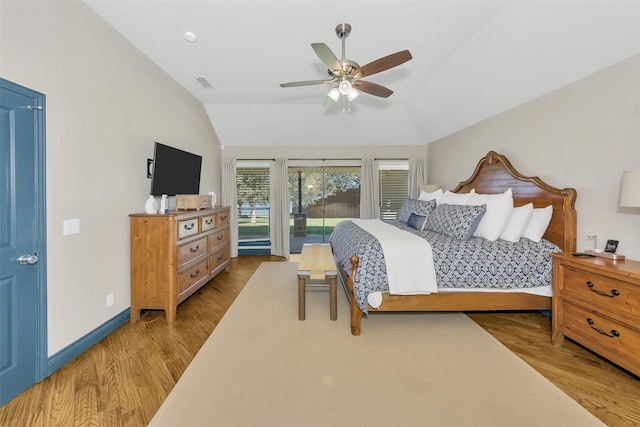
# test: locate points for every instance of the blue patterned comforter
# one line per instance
(475, 263)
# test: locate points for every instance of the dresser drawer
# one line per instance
(219, 238)
(191, 251)
(208, 222)
(218, 258)
(601, 332)
(193, 275)
(187, 227)
(617, 296)
(223, 218)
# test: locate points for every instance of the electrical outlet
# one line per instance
(110, 299)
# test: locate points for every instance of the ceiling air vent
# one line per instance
(205, 84)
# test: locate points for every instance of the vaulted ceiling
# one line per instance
(471, 60)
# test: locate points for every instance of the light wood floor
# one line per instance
(123, 380)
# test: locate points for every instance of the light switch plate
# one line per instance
(71, 226)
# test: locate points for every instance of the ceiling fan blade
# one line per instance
(305, 83)
(328, 58)
(383, 64)
(372, 88)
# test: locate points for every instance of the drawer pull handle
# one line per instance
(613, 293)
(220, 237)
(189, 226)
(194, 275)
(208, 221)
(224, 217)
(196, 249)
(612, 334)
(221, 257)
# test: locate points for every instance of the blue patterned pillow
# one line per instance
(420, 207)
(457, 221)
(417, 221)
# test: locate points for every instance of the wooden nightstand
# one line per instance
(596, 302)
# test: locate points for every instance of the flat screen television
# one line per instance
(175, 171)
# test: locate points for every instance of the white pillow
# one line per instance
(518, 222)
(454, 198)
(496, 218)
(436, 195)
(540, 219)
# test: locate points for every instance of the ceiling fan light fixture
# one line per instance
(347, 74)
(334, 94)
(345, 87)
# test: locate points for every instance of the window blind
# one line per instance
(252, 186)
(393, 192)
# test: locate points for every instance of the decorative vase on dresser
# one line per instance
(596, 302)
(175, 254)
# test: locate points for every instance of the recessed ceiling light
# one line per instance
(189, 36)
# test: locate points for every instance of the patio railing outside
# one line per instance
(253, 236)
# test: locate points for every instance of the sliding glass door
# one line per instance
(320, 197)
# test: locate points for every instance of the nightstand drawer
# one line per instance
(596, 302)
(601, 333)
(618, 296)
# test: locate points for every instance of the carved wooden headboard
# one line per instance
(495, 174)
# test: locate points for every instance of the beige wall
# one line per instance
(583, 136)
(106, 105)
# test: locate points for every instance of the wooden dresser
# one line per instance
(175, 254)
(596, 302)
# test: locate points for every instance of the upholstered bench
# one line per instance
(317, 264)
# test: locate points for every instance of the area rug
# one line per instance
(263, 367)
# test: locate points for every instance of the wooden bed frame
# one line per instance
(494, 174)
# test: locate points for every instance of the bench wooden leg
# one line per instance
(301, 302)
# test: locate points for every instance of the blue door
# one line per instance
(23, 351)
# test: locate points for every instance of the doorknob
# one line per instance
(28, 259)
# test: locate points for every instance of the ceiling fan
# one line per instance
(347, 74)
